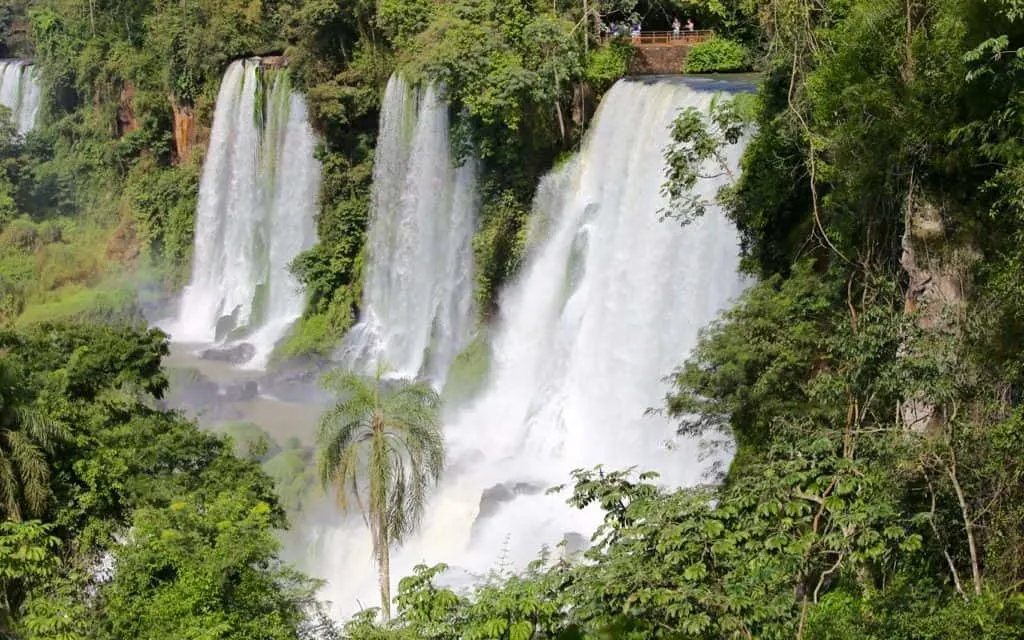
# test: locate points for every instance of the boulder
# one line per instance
(240, 391)
(574, 543)
(296, 381)
(235, 354)
(492, 498)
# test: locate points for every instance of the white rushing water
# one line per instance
(610, 300)
(257, 201)
(418, 290)
(19, 92)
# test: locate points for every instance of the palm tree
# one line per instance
(26, 436)
(381, 447)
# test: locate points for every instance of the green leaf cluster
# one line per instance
(187, 531)
(717, 55)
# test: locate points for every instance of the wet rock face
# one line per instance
(574, 543)
(491, 499)
(297, 381)
(127, 122)
(241, 391)
(185, 131)
(273, 62)
(235, 354)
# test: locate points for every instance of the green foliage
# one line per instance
(116, 305)
(697, 152)
(295, 478)
(469, 372)
(608, 63)
(191, 527)
(499, 246)
(746, 373)
(27, 558)
(717, 55)
(205, 568)
(26, 439)
(163, 203)
(381, 445)
(915, 611)
(317, 335)
(249, 440)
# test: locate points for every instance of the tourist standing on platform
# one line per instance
(676, 26)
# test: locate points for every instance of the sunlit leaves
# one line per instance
(697, 152)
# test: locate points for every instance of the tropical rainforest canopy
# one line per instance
(871, 378)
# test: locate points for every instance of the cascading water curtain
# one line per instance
(418, 290)
(19, 92)
(257, 202)
(609, 301)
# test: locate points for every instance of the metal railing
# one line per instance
(683, 38)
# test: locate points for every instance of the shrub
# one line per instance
(313, 336)
(608, 63)
(717, 55)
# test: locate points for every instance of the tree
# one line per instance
(27, 558)
(381, 446)
(25, 438)
(206, 568)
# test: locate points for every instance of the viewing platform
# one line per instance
(662, 52)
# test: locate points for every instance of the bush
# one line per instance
(313, 336)
(608, 63)
(717, 55)
(249, 441)
(100, 305)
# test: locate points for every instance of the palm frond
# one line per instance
(44, 431)
(9, 493)
(381, 443)
(33, 470)
(338, 433)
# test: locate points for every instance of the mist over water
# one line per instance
(257, 201)
(19, 92)
(418, 291)
(609, 301)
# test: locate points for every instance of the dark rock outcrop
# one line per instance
(235, 354)
(296, 381)
(492, 498)
(240, 391)
(574, 543)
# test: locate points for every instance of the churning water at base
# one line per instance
(257, 201)
(418, 290)
(19, 92)
(610, 301)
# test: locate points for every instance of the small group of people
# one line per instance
(613, 30)
(677, 26)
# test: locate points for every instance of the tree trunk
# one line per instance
(968, 522)
(385, 577)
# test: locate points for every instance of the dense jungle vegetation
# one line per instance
(871, 378)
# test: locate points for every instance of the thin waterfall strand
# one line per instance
(417, 305)
(19, 92)
(610, 300)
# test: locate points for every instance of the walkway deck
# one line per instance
(666, 38)
(663, 52)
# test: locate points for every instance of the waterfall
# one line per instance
(418, 289)
(19, 92)
(609, 301)
(257, 201)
